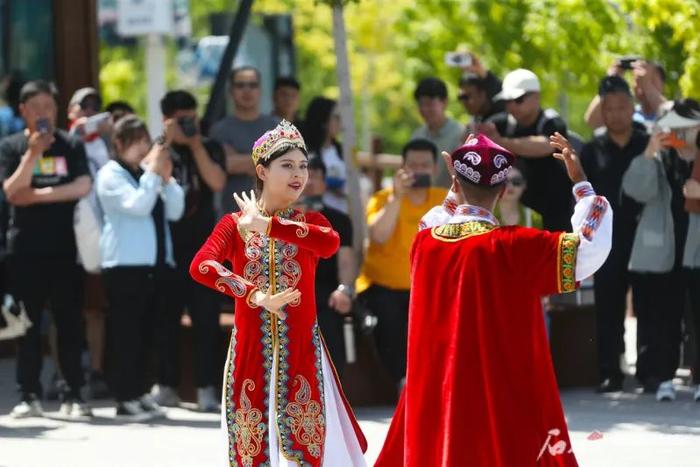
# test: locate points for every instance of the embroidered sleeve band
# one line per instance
(583, 189)
(566, 262)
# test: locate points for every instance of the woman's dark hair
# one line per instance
(315, 128)
(276, 155)
(129, 130)
(14, 82)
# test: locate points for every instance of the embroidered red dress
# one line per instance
(275, 368)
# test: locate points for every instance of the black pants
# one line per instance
(610, 291)
(331, 324)
(658, 303)
(693, 281)
(203, 306)
(391, 334)
(58, 285)
(142, 314)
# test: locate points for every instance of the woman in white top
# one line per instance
(321, 129)
(140, 198)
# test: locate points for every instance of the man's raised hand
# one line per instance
(567, 154)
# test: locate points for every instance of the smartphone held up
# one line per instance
(458, 59)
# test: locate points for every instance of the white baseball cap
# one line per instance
(517, 83)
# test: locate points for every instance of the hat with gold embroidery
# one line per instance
(285, 134)
(482, 162)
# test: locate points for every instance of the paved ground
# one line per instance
(636, 432)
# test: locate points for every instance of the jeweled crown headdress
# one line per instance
(284, 134)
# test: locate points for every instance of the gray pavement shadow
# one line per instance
(586, 411)
(35, 431)
(111, 421)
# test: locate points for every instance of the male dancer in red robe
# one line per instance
(480, 387)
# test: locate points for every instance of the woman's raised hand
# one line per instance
(251, 218)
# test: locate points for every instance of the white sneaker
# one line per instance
(28, 408)
(697, 394)
(165, 396)
(75, 409)
(149, 405)
(131, 411)
(207, 400)
(666, 392)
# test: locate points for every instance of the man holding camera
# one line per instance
(44, 174)
(393, 216)
(198, 167)
(649, 80)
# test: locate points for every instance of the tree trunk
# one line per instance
(345, 105)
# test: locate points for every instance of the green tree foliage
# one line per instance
(394, 43)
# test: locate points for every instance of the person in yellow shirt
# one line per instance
(393, 216)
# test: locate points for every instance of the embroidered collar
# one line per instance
(467, 213)
(283, 213)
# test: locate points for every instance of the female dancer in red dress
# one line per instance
(282, 402)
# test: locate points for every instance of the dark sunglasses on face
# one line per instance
(520, 99)
(515, 181)
(246, 85)
(464, 97)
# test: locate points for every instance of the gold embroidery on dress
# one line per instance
(227, 278)
(457, 232)
(566, 262)
(291, 269)
(302, 230)
(306, 418)
(248, 428)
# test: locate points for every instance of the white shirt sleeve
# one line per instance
(592, 221)
(440, 215)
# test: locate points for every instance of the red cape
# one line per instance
(480, 387)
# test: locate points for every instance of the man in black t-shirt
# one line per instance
(605, 160)
(334, 276)
(525, 130)
(44, 173)
(198, 167)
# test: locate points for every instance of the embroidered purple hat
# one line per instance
(482, 162)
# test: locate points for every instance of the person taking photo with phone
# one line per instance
(199, 168)
(140, 198)
(393, 216)
(44, 173)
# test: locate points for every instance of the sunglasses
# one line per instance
(521, 99)
(246, 85)
(516, 181)
(464, 97)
